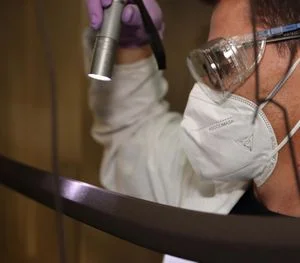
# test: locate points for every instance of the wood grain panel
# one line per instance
(28, 229)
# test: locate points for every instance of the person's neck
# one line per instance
(280, 194)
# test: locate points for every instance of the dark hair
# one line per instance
(273, 13)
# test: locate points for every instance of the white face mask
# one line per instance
(221, 141)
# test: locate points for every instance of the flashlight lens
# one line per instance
(99, 77)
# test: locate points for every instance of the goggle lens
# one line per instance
(225, 64)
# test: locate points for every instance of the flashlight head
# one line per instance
(103, 58)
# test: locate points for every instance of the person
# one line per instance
(214, 158)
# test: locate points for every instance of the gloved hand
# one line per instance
(133, 33)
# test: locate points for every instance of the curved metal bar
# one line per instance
(183, 233)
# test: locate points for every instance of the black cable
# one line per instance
(155, 40)
(254, 31)
(261, 101)
(45, 40)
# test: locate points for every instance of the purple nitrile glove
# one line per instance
(133, 33)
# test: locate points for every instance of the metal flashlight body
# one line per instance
(107, 41)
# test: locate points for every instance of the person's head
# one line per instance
(235, 17)
(218, 136)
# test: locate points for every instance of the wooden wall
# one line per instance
(27, 228)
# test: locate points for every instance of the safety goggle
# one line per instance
(225, 64)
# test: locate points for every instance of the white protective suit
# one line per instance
(143, 156)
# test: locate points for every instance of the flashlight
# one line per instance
(107, 41)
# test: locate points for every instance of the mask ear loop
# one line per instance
(270, 97)
(280, 84)
(274, 92)
(260, 180)
(155, 40)
(287, 138)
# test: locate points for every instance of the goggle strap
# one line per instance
(278, 31)
(283, 38)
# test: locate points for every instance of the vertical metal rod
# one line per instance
(45, 39)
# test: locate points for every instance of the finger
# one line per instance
(106, 3)
(132, 16)
(95, 11)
